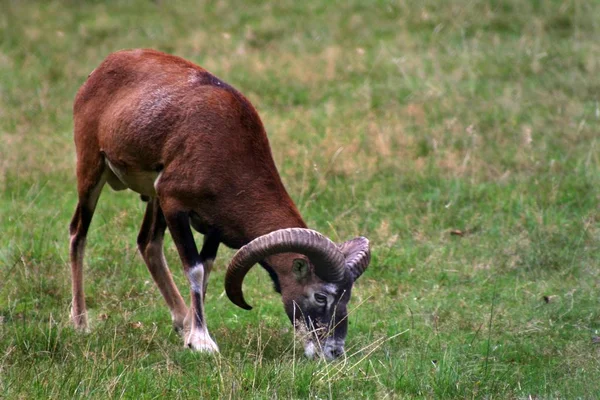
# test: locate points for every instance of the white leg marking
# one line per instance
(196, 277)
(199, 338)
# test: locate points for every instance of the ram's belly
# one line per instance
(137, 180)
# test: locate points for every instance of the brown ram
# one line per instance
(196, 150)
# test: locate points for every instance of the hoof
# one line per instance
(178, 328)
(179, 323)
(80, 322)
(201, 341)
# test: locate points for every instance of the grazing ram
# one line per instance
(196, 150)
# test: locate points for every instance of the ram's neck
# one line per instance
(278, 213)
(273, 212)
(241, 219)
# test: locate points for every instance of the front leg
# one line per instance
(197, 336)
(207, 257)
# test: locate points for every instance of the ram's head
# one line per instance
(315, 277)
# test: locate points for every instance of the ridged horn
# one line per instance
(357, 254)
(324, 254)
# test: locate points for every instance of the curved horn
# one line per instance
(324, 254)
(357, 254)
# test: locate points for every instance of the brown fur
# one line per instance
(150, 111)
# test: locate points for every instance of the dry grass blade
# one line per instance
(340, 368)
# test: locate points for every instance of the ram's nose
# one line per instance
(333, 349)
(331, 353)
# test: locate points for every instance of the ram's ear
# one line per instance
(300, 268)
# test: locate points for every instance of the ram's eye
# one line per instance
(320, 298)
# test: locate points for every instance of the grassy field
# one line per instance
(462, 137)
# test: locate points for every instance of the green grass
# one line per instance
(401, 121)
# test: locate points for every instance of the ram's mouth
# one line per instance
(311, 351)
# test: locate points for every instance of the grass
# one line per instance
(461, 137)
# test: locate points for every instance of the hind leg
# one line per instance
(91, 178)
(150, 244)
